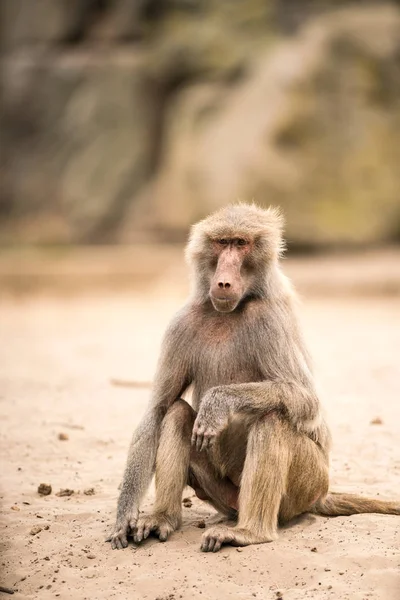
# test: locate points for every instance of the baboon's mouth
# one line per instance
(224, 305)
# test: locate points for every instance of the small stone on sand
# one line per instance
(44, 489)
(65, 492)
(200, 524)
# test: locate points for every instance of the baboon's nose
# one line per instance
(223, 285)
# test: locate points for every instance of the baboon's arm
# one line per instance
(294, 400)
(286, 381)
(172, 378)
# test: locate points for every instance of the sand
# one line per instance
(57, 356)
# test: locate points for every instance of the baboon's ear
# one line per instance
(197, 242)
(275, 223)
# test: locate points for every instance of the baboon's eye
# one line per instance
(241, 242)
(223, 241)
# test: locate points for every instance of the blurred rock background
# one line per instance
(124, 121)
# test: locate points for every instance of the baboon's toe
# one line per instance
(215, 537)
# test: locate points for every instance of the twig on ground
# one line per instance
(130, 383)
(6, 590)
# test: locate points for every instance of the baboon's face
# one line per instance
(230, 274)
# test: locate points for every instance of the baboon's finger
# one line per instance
(146, 532)
(199, 442)
(119, 542)
(205, 443)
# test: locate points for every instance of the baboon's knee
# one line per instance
(180, 416)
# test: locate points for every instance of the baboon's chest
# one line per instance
(227, 355)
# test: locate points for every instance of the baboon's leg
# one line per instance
(174, 455)
(308, 478)
(172, 466)
(262, 486)
(269, 489)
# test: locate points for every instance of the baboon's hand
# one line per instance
(211, 419)
(125, 524)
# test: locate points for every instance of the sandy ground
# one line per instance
(56, 360)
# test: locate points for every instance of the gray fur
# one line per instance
(248, 361)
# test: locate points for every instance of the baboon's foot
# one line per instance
(217, 536)
(160, 524)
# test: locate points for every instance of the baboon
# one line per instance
(254, 443)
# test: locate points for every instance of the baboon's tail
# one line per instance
(335, 505)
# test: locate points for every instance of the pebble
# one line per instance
(65, 492)
(44, 489)
(201, 524)
(35, 530)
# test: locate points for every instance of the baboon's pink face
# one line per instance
(230, 280)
